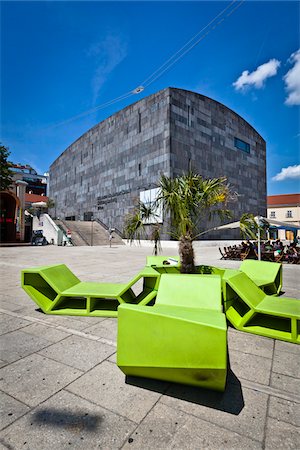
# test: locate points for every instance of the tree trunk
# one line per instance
(186, 253)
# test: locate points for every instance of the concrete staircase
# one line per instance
(88, 233)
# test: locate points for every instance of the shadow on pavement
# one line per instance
(230, 401)
(67, 420)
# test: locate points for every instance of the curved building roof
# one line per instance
(166, 90)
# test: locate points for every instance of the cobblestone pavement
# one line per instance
(61, 388)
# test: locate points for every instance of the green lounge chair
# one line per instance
(164, 264)
(266, 275)
(249, 309)
(158, 261)
(182, 338)
(56, 290)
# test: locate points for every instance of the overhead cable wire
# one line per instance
(166, 65)
(147, 81)
(172, 61)
(96, 108)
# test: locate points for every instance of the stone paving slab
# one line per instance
(10, 409)
(166, 428)
(48, 397)
(78, 352)
(70, 421)
(2, 363)
(281, 435)
(107, 328)
(35, 378)
(250, 343)
(284, 411)
(7, 305)
(240, 410)
(285, 383)
(17, 344)
(72, 322)
(250, 367)
(287, 347)
(8, 323)
(287, 363)
(105, 385)
(51, 334)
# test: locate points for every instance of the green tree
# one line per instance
(189, 199)
(249, 226)
(50, 203)
(5, 169)
(136, 224)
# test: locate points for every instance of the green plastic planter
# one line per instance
(181, 339)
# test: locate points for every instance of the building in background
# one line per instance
(118, 161)
(285, 208)
(28, 187)
(12, 212)
(36, 184)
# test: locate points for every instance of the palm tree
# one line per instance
(187, 199)
(249, 226)
(135, 228)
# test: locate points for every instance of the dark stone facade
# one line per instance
(104, 171)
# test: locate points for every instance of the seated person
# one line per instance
(268, 246)
(292, 255)
(278, 245)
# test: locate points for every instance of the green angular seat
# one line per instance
(182, 338)
(164, 264)
(158, 261)
(56, 290)
(266, 275)
(249, 309)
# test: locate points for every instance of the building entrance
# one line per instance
(8, 209)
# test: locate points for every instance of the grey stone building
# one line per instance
(120, 159)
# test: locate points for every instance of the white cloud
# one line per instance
(258, 76)
(107, 54)
(290, 172)
(292, 80)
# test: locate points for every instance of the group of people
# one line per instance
(273, 251)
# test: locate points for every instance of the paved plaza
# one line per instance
(61, 388)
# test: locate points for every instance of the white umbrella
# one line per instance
(276, 223)
(39, 204)
(258, 219)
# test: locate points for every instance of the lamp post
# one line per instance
(257, 220)
(92, 230)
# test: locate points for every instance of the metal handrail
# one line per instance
(118, 232)
(79, 233)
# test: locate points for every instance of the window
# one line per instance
(148, 197)
(289, 214)
(272, 215)
(244, 146)
(140, 169)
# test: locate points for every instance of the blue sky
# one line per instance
(60, 59)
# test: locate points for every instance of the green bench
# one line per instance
(182, 338)
(249, 309)
(56, 290)
(266, 275)
(164, 264)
